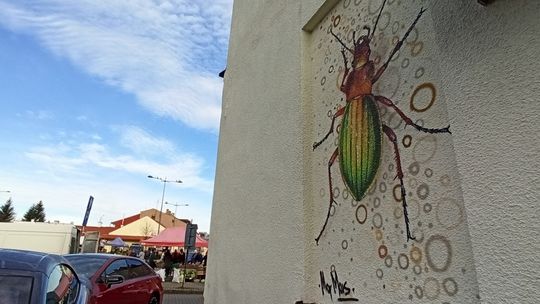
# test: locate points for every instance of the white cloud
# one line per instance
(80, 159)
(167, 55)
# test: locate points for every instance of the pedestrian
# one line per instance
(141, 255)
(167, 261)
(182, 256)
(152, 257)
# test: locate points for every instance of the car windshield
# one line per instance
(86, 266)
(15, 289)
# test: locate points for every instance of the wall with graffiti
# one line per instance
(392, 222)
(337, 176)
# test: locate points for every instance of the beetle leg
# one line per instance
(396, 48)
(393, 138)
(330, 192)
(387, 102)
(346, 72)
(338, 113)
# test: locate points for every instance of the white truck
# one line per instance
(45, 237)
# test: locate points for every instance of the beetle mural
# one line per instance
(360, 135)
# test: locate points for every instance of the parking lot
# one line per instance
(183, 299)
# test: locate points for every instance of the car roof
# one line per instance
(16, 259)
(97, 255)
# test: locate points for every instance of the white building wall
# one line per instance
(481, 214)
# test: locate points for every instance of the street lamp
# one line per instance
(176, 206)
(164, 181)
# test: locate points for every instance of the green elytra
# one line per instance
(360, 145)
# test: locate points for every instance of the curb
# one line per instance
(183, 291)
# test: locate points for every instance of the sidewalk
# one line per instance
(189, 287)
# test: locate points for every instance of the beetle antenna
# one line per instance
(377, 21)
(341, 42)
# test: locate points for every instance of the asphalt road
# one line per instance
(183, 299)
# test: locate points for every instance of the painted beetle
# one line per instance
(360, 137)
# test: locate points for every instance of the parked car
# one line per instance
(39, 278)
(118, 279)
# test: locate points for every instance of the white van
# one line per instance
(45, 237)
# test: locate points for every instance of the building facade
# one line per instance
(304, 215)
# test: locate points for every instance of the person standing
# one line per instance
(167, 261)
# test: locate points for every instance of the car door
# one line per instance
(140, 279)
(114, 293)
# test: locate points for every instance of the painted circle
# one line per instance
(428, 172)
(414, 168)
(407, 140)
(424, 149)
(383, 251)
(377, 220)
(416, 254)
(397, 194)
(413, 182)
(390, 86)
(438, 253)
(417, 269)
(413, 209)
(331, 69)
(361, 214)
(376, 202)
(379, 273)
(445, 180)
(382, 187)
(345, 193)
(430, 89)
(427, 207)
(431, 288)
(418, 234)
(419, 72)
(403, 261)
(335, 192)
(336, 20)
(419, 292)
(397, 118)
(344, 244)
(346, 3)
(395, 27)
(323, 80)
(422, 191)
(388, 261)
(405, 63)
(398, 212)
(332, 210)
(417, 48)
(378, 234)
(449, 213)
(450, 286)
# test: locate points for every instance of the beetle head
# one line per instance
(362, 50)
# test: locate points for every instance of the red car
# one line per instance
(118, 279)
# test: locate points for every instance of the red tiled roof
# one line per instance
(127, 220)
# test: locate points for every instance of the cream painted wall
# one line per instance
(269, 199)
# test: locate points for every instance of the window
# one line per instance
(118, 267)
(15, 289)
(138, 269)
(62, 286)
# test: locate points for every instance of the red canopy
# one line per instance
(173, 236)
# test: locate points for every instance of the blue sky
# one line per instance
(96, 95)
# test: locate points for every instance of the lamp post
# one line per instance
(176, 206)
(164, 181)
